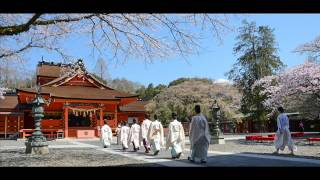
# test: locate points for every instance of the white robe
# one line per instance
(283, 139)
(118, 135)
(155, 135)
(175, 138)
(106, 135)
(144, 130)
(134, 135)
(199, 136)
(124, 136)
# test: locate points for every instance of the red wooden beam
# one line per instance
(66, 134)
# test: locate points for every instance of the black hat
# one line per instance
(174, 115)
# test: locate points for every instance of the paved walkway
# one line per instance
(215, 158)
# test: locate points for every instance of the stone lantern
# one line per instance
(215, 130)
(37, 143)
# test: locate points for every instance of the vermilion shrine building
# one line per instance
(77, 105)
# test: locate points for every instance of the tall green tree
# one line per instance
(258, 58)
(150, 92)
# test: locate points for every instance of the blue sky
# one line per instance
(290, 31)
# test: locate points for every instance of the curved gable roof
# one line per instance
(66, 78)
(80, 92)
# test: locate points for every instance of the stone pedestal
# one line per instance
(37, 148)
(37, 143)
(217, 140)
(216, 137)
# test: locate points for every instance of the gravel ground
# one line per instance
(77, 157)
(20, 143)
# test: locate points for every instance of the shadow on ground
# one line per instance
(297, 141)
(241, 160)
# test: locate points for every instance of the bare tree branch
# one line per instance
(312, 48)
(14, 30)
(29, 45)
(145, 36)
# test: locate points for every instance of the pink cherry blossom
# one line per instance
(304, 78)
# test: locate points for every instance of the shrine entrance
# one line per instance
(79, 121)
(83, 120)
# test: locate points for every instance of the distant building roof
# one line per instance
(138, 106)
(48, 70)
(9, 102)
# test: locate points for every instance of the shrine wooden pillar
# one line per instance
(66, 120)
(18, 123)
(101, 118)
(116, 115)
(5, 126)
(101, 123)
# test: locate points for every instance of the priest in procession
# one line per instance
(134, 135)
(155, 135)
(124, 136)
(118, 132)
(283, 134)
(199, 136)
(144, 132)
(175, 138)
(106, 135)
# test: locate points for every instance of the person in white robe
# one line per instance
(155, 135)
(144, 132)
(124, 136)
(283, 135)
(134, 135)
(199, 137)
(118, 131)
(106, 135)
(175, 138)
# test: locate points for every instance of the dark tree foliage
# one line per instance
(258, 58)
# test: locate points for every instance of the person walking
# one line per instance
(144, 132)
(199, 136)
(106, 135)
(283, 135)
(155, 135)
(175, 138)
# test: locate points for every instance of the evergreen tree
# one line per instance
(150, 92)
(258, 58)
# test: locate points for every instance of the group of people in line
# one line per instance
(150, 135)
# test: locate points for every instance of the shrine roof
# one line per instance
(138, 106)
(9, 102)
(80, 92)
